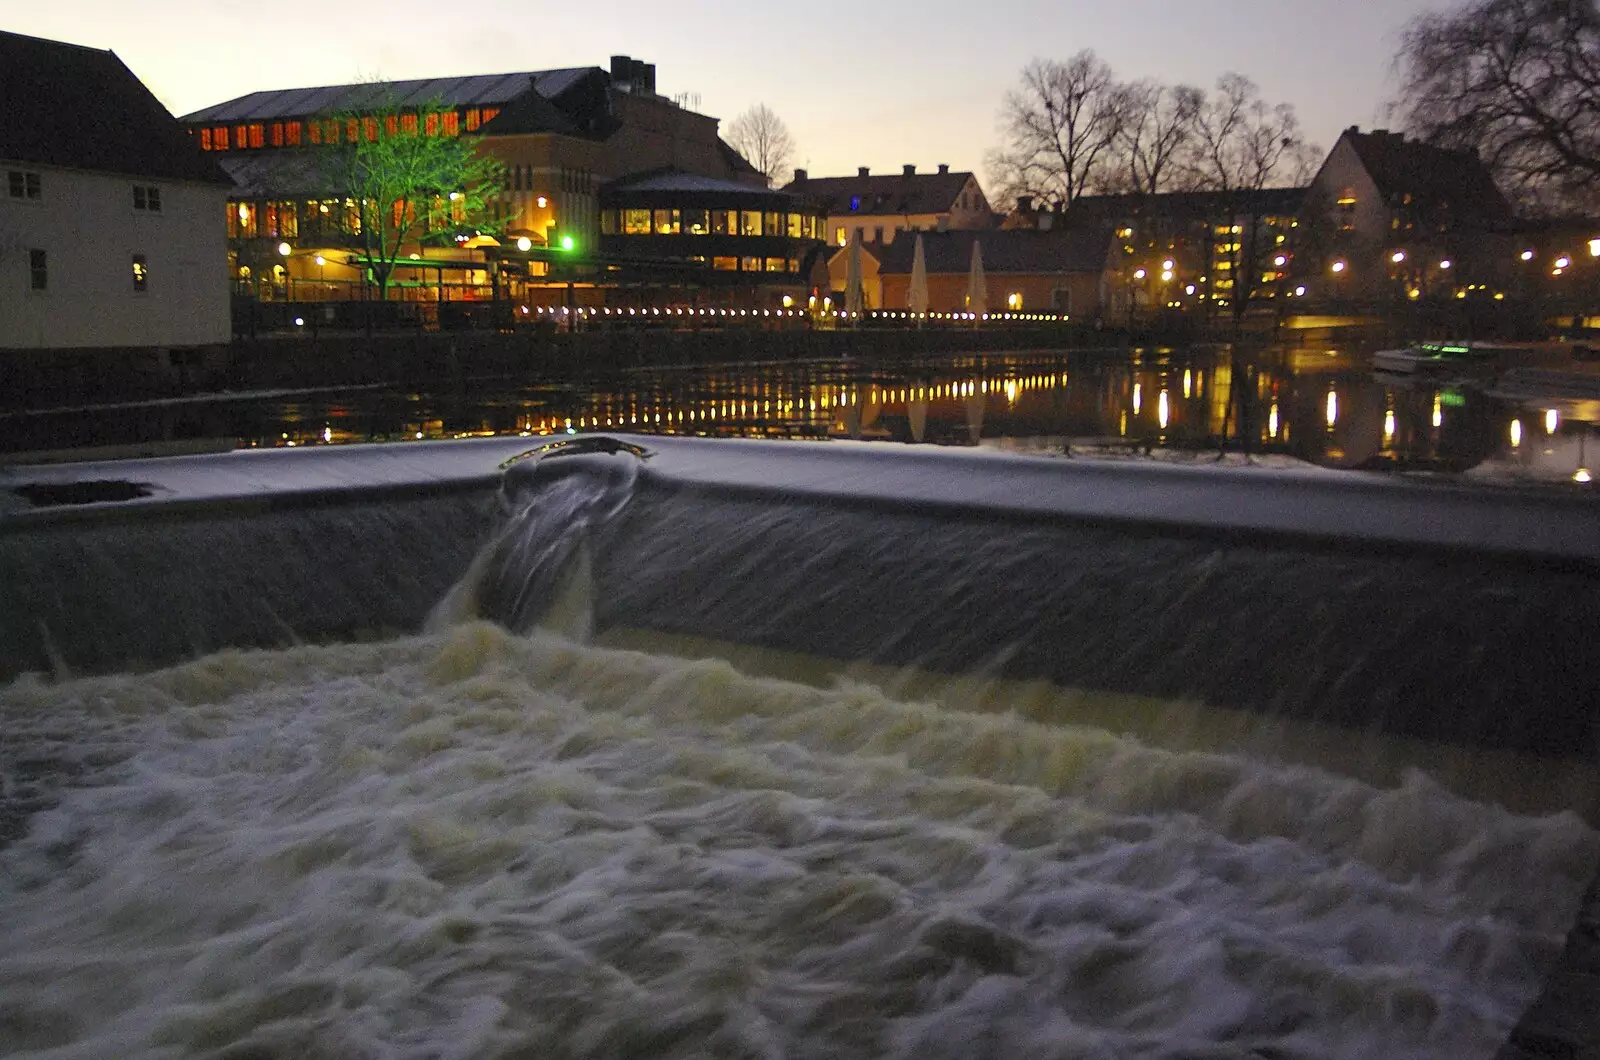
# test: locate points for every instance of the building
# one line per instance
(111, 220)
(875, 208)
(1402, 219)
(577, 146)
(1070, 270)
(1191, 249)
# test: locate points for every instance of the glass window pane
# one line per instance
(750, 223)
(696, 223)
(636, 222)
(751, 265)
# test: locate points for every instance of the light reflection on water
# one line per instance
(1320, 405)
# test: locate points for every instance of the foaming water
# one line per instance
(479, 844)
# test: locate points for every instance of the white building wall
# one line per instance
(89, 229)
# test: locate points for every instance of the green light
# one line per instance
(1452, 398)
(568, 243)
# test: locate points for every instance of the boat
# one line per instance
(1436, 358)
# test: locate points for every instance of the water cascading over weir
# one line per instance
(668, 747)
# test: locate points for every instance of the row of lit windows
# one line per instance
(709, 223)
(253, 135)
(290, 220)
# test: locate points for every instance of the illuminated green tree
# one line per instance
(411, 179)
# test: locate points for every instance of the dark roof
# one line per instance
(676, 187)
(894, 193)
(1432, 176)
(279, 174)
(736, 161)
(81, 108)
(1187, 206)
(475, 90)
(531, 112)
(1084, 248)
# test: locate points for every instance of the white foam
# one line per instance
(471, 844)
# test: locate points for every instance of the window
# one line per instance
(667, 222)
(635, 222)
(205, 139)
(474, 119)
(750, 265)
(725, 222)
(776, 264)
(452, 123)
(147, 197)
(750, 225)
(696, 222)
(839, 236)
(219, 138)
(23, 185)
(277, 134)
(241, 137)
(141, 273)
(774, 224)
(258, 135)
(855, 202)
(725, 264)
(38, 270)
(608, 222)
(291, 133)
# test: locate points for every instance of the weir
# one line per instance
(1395, 634)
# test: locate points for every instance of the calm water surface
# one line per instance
(1324, 405)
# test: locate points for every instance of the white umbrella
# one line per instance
(854, 295)
(917, 293)
(977, 286)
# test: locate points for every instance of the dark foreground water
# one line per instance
(1318, 404)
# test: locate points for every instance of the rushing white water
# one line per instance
(477, 844)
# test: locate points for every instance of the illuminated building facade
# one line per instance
(1402, 219)
(1193, 249)
(875, 208)
(678, 229)
(111, 222)
(561, 136)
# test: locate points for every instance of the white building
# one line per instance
(112, 221)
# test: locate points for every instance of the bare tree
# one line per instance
(1157, 130)
(1518, 81)
(762, 137)
(1059, 130)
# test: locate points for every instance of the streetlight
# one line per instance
(1398, 256)
(1338, 267)
(524, 244)
(1446, 263)
(1527, 255)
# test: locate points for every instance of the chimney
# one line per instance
(944, 169)
(621, 68)
(647, 78)
(799, 175)
(864, 171)
(910, 171)
(1024, 203)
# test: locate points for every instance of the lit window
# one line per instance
(636, 222)
(452, 123)
(291, 133)
(725, 264)
(776, 264)
(369, 129)
(474, 119)
(38, 270)
(219, 138)
(488, 115)
(205, 139)
(667, 222)
(750, 265)
(839, 236)
(277, 134)
(141, 273)
(750, 225)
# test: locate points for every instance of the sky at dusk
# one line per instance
(858, 83)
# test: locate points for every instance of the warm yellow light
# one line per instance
(788, 301)
(1167, 265)
(1166, 275)
(1398, 256)
(1563, 262)
(1438, 411)
(1333, 408)
(320, 260)
(541, 202)
(1138, 274)
(244, 212)
(1414, 293)
(1552, 420)
(1581, 475)
(454, 195)
(524, 244)
(1527, 255)
(1163, 410)
(1272, 420)
(284, 249)
(1138, 397)
(1516, 433)
(1188, 383)
(1338, 266)
(1446, 263)
(1388, 426)
(1594, 248)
